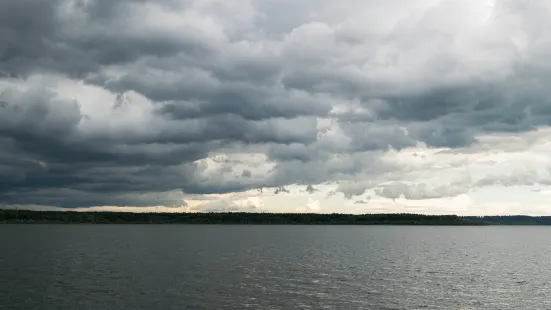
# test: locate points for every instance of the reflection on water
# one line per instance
(273, 267)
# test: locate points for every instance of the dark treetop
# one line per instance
(24, 216)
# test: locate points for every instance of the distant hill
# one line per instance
(29, 217)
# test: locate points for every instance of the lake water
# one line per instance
(274, 267)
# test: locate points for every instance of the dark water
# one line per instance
(274, 267)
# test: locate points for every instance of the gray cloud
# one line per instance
(310, 189)
(192, 79)
(519, 177)
(246, 173)
(423, 191)
(351, 189)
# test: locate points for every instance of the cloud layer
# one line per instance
(142, 103)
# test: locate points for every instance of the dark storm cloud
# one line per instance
(234, 128)
(78, 37)
(37, 112)
(44, 130)
(244, 77)
(250, 102)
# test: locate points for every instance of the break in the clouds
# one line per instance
(301, 106)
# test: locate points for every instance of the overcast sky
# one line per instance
(426, 106)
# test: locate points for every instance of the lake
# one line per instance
(274, 267)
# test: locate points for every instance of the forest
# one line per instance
(37, 217)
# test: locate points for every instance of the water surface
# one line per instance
(274, 267)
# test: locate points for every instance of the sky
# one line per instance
(351, 106)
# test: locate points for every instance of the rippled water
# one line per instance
(274, 267)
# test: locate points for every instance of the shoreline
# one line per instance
(11, 216)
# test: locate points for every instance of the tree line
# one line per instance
(26, 216)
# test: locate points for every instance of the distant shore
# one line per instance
(74, 217)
